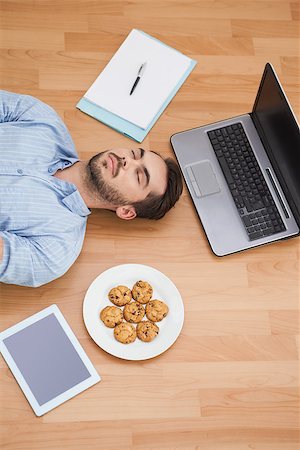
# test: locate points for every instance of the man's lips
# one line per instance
(113, 164)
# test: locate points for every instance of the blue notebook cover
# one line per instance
(121, 125)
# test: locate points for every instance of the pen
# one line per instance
(139, 75)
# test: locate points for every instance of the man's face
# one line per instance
(125, 176)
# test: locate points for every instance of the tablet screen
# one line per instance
(46, 358)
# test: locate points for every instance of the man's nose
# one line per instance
(126, 163)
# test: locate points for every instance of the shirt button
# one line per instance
(20, 171)
(50, 170)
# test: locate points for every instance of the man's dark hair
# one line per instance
(156, 206)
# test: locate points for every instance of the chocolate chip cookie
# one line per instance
(146, 331)
(125, 333)
(134, 312)
(111, 316)
(156, 310)
(120, 295)
(142, 291)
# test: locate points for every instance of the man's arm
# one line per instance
(16, 107)
(35, 261)
(1, 249)
(25, 108)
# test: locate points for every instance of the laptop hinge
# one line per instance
(275, 166)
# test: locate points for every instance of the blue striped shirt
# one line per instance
(42, 218)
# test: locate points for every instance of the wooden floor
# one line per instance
(231, 380)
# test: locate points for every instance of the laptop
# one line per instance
(243, 174)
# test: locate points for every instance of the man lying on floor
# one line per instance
(46, 192)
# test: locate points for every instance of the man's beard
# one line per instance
(99, 186)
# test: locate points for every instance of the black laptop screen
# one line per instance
(279, 132)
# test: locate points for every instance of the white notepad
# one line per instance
(165, 69)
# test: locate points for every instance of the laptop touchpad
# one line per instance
(203, 178)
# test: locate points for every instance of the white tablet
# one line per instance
(47, 360)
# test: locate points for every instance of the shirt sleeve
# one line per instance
(16, 107)
(25, 108)
(34, 262)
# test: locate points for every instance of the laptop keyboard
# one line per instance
(247, 185)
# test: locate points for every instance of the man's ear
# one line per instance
(126, 212)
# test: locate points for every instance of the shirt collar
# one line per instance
(76, 204)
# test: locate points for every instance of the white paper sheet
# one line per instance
(165, 67)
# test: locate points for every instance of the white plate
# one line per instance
(96, 299)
